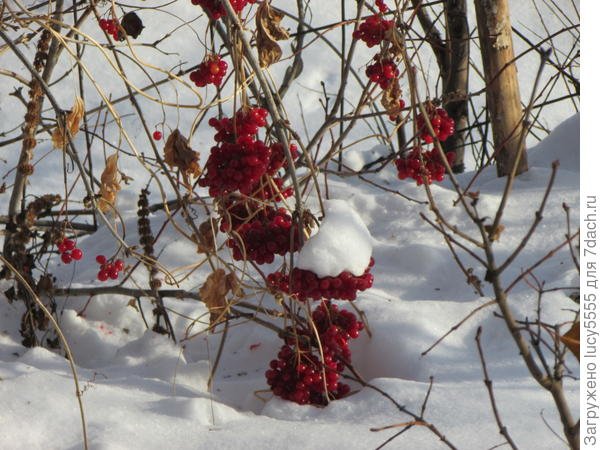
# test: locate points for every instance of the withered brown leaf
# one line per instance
(268, 32)
(571, 339)
(109, 184)
(179, 154)
(392, 99)
(206, 240)
(59, 137)
(494, 233)
(213, 293)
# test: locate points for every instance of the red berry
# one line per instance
(62, 247)
(76, 254)
(103, 275)
(101, 259)
(69, 243)
(119, 264)
(113, 273)
(157, 135)
(66, 258)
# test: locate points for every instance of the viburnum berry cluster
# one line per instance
(240, 160)
(109, 269)
(430, 169)
(303, 376)
(383, 72)
(373, 30)
(442, 124)
(304, 284)
(262, 234)
(68, 251)
(210, 71)
(217, 10)
(112, 27)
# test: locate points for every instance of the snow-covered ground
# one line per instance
(142, 391)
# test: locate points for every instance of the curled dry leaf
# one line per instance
(392, 100)
(59, 137)
(494, 233)
(206, 240)
(268, 32)
(109, 184)
(179, 154)
(571, 339)
(213, 293)
(396, 40)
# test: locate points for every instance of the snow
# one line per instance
(142, 391)
(342, 243)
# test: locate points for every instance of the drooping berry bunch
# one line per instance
(240, 159)
(210, 71)
(373, 30)
(431, 169)
(263, 234)
(300, 375)
(442, 124)
(305, 285)
(68, 251)
(242, 128)
(383, 72)
(216, 9)
(112, 27)
(383, 8)
(109, 269)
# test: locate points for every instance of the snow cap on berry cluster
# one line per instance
(343, 243)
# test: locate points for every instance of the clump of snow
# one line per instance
(343, 242)
(354, 160)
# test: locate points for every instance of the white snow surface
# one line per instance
(342, 243)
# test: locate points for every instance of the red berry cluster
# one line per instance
(240, 159)
(300, 375)
(442, 124)
(431, 169)
(216, 9)
(383, 8)
(264, 234)
(373, 30)
(304, 284)
(68, 251)
(112, 27)
(383, 72)
(242, 128)
(109, 269)
(271, 188)
(210, 71)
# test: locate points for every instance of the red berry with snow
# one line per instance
(305, 285)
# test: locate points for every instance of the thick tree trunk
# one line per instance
(502, 94)
(456, 78)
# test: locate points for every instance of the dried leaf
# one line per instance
(132, 24)
(179, 154)
(206, 240)
(494, 233)
(571, 339)
(268, 32)
(133, 303)
(59, 137)
(213, 293)
(234, 284)
(109, 184)
(396, 40)
(392, 100)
